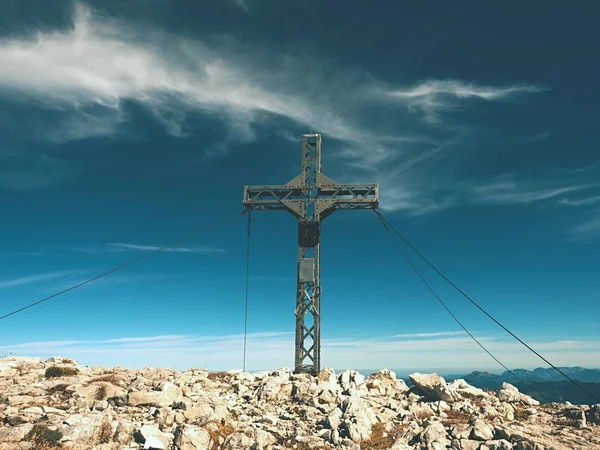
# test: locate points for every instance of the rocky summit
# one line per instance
(58, 403)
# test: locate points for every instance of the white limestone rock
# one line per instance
(511, 394)
(165, 397)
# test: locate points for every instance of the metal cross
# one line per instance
(310, 197)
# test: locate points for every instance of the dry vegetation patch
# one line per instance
(424, 414)
(521, 415)
(219, 434)
(454, 417)
(58, 389)
(109, 378)
(101, 392)
(105, 433)
(219, 376)
(380, 438)
(59, 371)
(42, 437)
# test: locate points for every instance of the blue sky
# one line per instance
(126, 125)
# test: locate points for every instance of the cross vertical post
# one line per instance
(310, 197)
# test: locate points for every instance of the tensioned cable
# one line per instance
(440, 300)
(122, 266)
(247, 286)
(483, 310)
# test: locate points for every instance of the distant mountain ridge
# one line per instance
(545, 385)
(540, 374)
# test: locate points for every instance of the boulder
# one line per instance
(15, 434)
(124, 432)
(481, 431)
(17, 400)
(351, 379)
(79, 428)
(500, 444)
(189, 437)
(263, 439)
(511, 394)
(386, 383)
(433, 387)
(33, 411)
(237, 440)
(334, 419)
(426, 383)
(152, 437)
(466, 444)
(434, 432)
(7, 371)
(593, 414)
(163, 398)
(461, 432)
(271, 386)
(465, 389)
(357, 419)
(326, 380)
(156, 443)
(86, 396)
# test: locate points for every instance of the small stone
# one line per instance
(100, 405)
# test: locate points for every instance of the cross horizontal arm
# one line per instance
(332, 197)
(275, 198)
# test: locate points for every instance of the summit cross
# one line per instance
(310, 197)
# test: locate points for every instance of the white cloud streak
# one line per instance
(426, 335)
(32, 279)
(123, 247)
(101, 62)
(461, 89)
(587, 201)
(242, 4)
(443, 351)
(511, 192)
(433, 97)
(587, 230)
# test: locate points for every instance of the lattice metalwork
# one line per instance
(310, 197)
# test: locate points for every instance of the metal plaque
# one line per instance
(306, 270)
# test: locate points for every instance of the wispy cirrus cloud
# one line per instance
(461, 89)
(588, 229)
(35, 278)
(242, 4)
(269, 350)
(428, 335)
(87, 74)
(124, 247)
(508, 189)
(433, 97)
(94, 67)
(585, 201)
